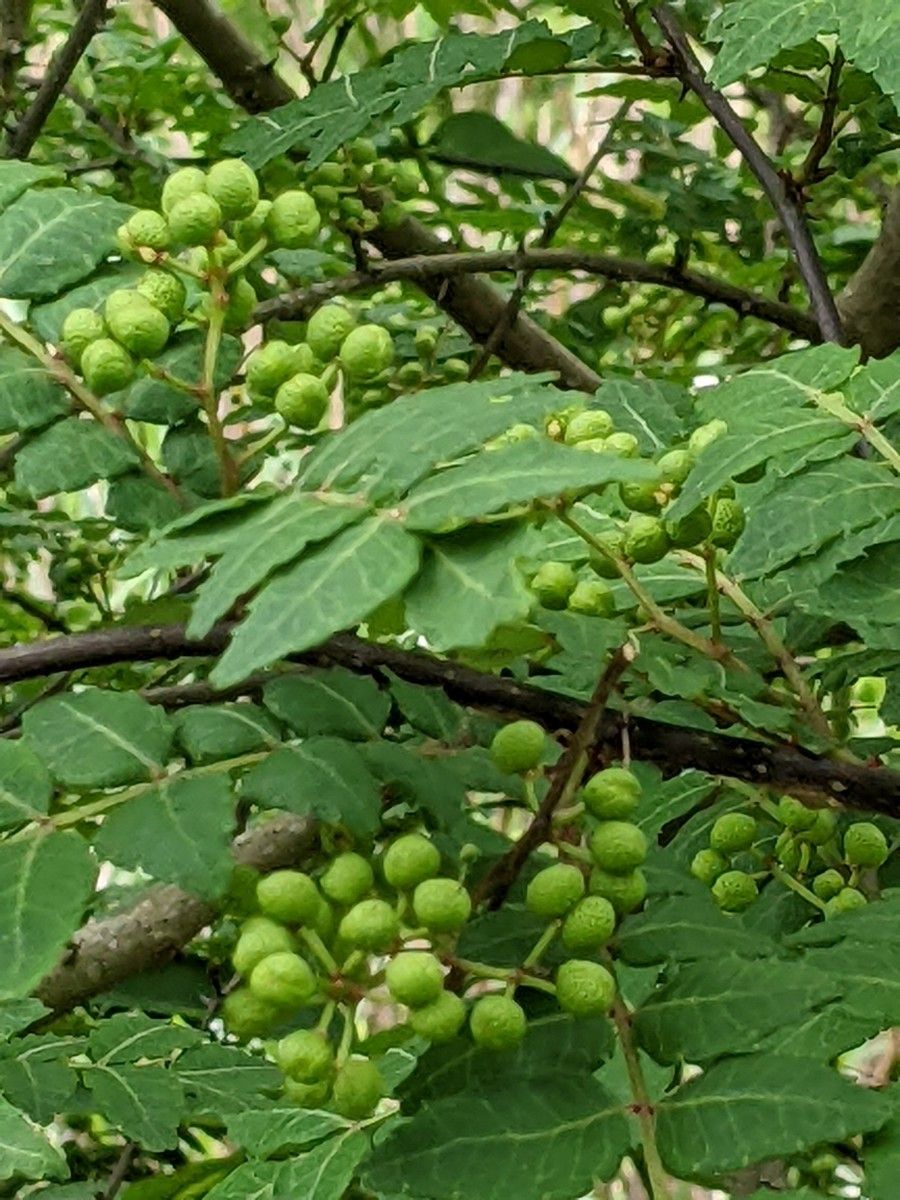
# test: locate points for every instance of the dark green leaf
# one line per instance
(129, 1037)
(684, 930)
(222, 1080)
(267, 1131)
(71, 455)
(29, 396)
(211, 732)
(334, 702)
(478, 140)
(146, 1103)
(157, 401)
(26, 1151)
(25, 785)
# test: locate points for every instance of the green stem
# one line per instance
(833, 404)
(712, 593)
(481, 970)
(545, 940)
(796, 886)
(644, 1109)
(326, 1016)
(347, 1034)
(218, 302)
(248, 257)
(532, 981)
(319, 949)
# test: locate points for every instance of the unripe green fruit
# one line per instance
(593, 446)
(593, 598)
(106, 367)
(393, 216)
(195, 220)
(357, 1089)
(81, 327)
(689, 530)
(426, 340)
(327, 329)
(441, 905)
(148, 228)
(307, 1095)
(165, 292)
(614, 543)
(554, 890)
(410, 374)
(828, 884)
(592, 423)
(234, 187)
(640, 497)
(865, 845)
(554, 583)
(305, 1055)
(288, 896)
(612, 794)
(794, 814)
(675, 466)
(248, 231)
(407, 178)
(409, 861)
(618, 846)
(180, 185)
(302, 401)
(324, 922)
(293, 220)
(823, 830)
(706, 434)
(414, 978)
(708, 865)
(257, 941)
(365, 352)
(732, 833)
(646, 540)
(847, 900)
(362, 151)
(787, 851)
(589, 925)
(454, 368)
(734, 891)
(728, 523)
(284, 980)
(518, 747)
(584, 989)
(138, 325)
(351, 208)
(497, 1023)
(441, 1020)
(242, 301)
(332, 173)
(624, 892)
(370, 925)
(269, 367)
(349, 877)
(247, 1016)
(625, 445)
(327, 198)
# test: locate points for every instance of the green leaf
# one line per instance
(46, 319)
(323, 1173)
(139, 504)
(211, 732)
(35, 1076)
(869, 974)
(323, 777)
(428, 709)
(334, 587)
(878, 924)
(881, 1158)
(29, 395)
(469, 584)
(875, 389)
(16, 1015)
(128, 1037)
(178, 832)
(744, 1110)
(648, 408)
(52, 237)
(25, 785)
(17, 177)
(204, 532)
(219, 1081)
(145, 1103)
(332, 701)
(268, 539)
(71, 455)
(478, 140)
(45, 883)
(268, 1131)
(826, 1033)
(726, 1005)
(560, 1136)
(754, 31)
(26, 1151)
(517, 474)
(672, 798)
(684, 930)
(158, 402)
(96, 738)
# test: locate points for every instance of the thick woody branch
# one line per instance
(870, 302)
(782, 766)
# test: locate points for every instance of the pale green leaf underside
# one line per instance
(29, 396)
(24, 1150)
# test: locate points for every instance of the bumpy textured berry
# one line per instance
(247, 1016)
(593, 445)
(593, 598)
(137, 325)
(81, 327)
(302, 400)
(553, 584)
(794, 814)
(365, 352)
(708, 865)
(618, 846)
(690, 530)
(324, 922)
(553, 891)
(349, 877)
(675, 466)
(407, 178)
(589, 925)
(234, 187)
(248, 231)
(828, 884)
(441, 1020)
(242, 300)
(149, 228)
(106, 367)
(409, 861)
(584, 988)
(357, 1089)
(593, 423)
(824, 828)
(706, 434)
(414, 978)
(846, 901)
(646, 540)
(284, 979)
(305, 1055)
(288, 896)
(734, 891)
(624, 892)
(181, 184)
(497, 1023)
(306, 1095)
(269, 367)
(195, 220)
(442, 905)
(613, 543)
(370, 925)
(612, 794)
(165, 292)
(865, 845)
(518, 747)
(640, 497)
(293, 220)
(733, 832)
(259, 938)
(327, 329)
(728, 523)
(625, 445)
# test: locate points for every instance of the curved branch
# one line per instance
(673, 748)
(871, 300)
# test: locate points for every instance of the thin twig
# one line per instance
(785, 204)
(633, 25)
(14, 18)
(120, 1170)
(809, 171)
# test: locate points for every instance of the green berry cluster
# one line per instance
(358, 189)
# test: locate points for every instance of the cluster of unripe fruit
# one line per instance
(808, 847)
(358, 189)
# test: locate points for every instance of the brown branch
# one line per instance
(565, 779)
(786, 205)
(14, 18)
(121, 1167)
(871, 300)
(809, 171)
(633, 25)
(782, 766)
(59, 72)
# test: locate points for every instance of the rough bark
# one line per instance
(870, 303)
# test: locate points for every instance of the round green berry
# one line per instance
(81, 327)
(247, 1016)
(828, 884)
(324, 921)
(441, 1020)
(180, 185)
(708, 865)
(554, 583)
(409, 861)
(268, 367)
(794, 815)
(195, 220)
(787, 851)
(357, 1089)
(305, 1055)
(612, 794)
(106, 366)
(518, 747)
(824, 828)
(293, 220)
(675, 466)
(640, 497)
(249, 231)
(442, 905)
(165, 292)
(733, 832)
(284, 980)
(847, 900)
(584, 988)
(625, 445)
(865, 845)
(593, 423)
(646, 540)
(554, 890)
(497, 1023)
(414, 978)
(306, 1095)
(148, 228)
(589, 925)
(734, 891)
(624, 892)
(234, 187)
(136, 324)
(614, 544)
(690, 530)
(407, 178)
(288, 896)
(302, 400)
(370, 925)
(706, 434)
(348, 878)
(593, 598)
(727, 523)
(327, 329)
(618, 846)
(259, 937)
(365, 352)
